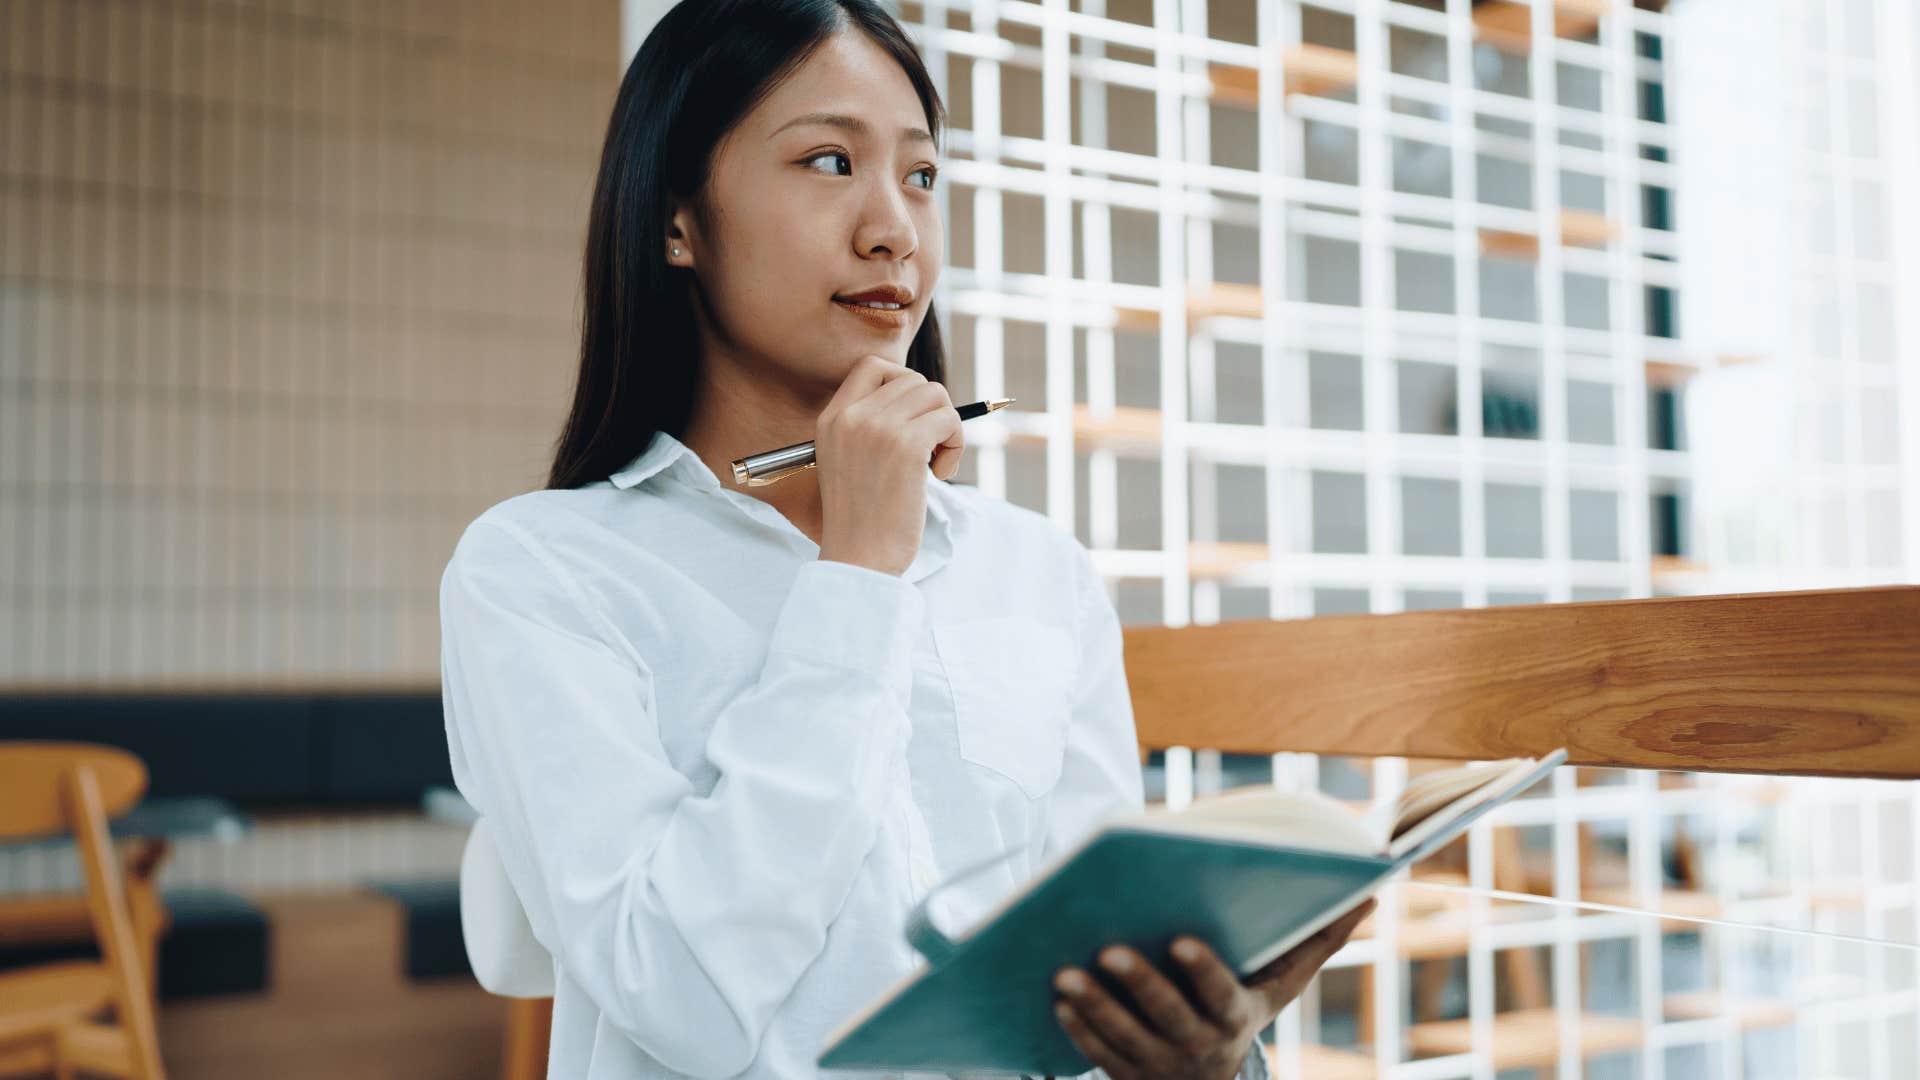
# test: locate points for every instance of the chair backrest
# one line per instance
(33, 784)
(55, 787)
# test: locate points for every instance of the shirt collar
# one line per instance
(662, 453)
(668, 457)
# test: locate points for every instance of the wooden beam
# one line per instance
(1817, 683)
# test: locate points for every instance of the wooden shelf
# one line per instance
(1314, 70)
(1427, 932)
(1129, 429)
(1225, 300)
(1578, 228)
(1509, 26)
(1673, 373)
(1710, 1004)
(1690, 902)
(1436, 938)
(1421, 902)
(1204, 301)
(1527, 1038)
(1323, 1063)
(1669, 373)
(1671, 566)
(1218, 558)
(1845, 895)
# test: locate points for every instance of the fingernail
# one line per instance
(1117, 960)
(1071, 981)
(1186, 950)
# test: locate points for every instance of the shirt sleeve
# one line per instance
(1101, 771)
(686, 918)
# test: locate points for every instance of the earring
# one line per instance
(676, 251)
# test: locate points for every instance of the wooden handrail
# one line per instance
(1816, 683)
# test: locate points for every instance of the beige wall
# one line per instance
(288, 294)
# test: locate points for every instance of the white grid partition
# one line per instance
(1249, 265)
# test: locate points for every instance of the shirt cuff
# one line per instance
(1255, 1066)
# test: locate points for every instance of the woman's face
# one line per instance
(821, 203)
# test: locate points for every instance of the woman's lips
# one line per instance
(878, 318)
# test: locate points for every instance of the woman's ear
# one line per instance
(680, 236)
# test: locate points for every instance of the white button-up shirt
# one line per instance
(721, 771)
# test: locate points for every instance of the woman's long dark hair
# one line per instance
(704, 66)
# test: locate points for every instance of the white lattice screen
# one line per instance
(1241, 263)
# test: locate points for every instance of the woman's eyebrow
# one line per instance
(851, 123)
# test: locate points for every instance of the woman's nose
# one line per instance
(886, 226)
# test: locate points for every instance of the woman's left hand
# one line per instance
(1166, 1036)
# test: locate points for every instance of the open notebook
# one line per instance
(1251, 871)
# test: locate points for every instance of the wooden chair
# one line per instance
(1814, 683)
(50, 1014)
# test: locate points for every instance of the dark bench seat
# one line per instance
(218, 943)
(433, 946)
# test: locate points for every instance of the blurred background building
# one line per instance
(1310, 308)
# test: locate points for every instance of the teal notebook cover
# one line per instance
(984, 1003)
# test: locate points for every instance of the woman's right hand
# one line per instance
(884, 427)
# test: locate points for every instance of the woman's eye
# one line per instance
(929, 173)
(845, 168)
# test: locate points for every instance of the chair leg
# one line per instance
(149, 914)
(113, 926)
(529, 1030)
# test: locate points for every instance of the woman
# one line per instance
(728, 737)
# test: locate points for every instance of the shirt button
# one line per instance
(925, 879)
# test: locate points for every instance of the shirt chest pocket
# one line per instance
(1011, 677)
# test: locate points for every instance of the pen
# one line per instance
(758, 470)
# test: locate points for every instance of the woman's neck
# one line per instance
(737, 413)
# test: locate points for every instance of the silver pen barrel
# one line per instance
(770, 466)
(759, 470)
